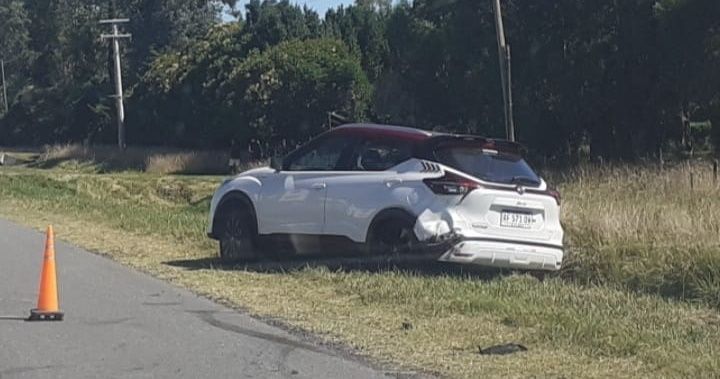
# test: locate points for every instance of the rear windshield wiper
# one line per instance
(524, 180)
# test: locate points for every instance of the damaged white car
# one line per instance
(394, 190)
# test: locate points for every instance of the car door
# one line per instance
(292, 201)
(367, 185)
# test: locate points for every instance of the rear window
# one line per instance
(489, 165)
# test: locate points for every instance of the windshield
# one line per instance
(488, 165)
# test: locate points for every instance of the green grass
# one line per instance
(617, 311)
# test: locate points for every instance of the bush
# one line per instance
(200, 98)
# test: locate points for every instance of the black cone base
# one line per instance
(37, 315)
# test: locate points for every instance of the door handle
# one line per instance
(392, 182)
(319, 186)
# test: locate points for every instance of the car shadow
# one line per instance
(409, 264)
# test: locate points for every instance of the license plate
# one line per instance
(516, 220)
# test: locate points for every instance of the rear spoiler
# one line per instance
(500, 145)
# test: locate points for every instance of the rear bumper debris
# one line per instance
(494, 253)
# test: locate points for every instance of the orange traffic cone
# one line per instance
(47, 308)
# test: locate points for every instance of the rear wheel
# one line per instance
(392, 234)
(237, 233)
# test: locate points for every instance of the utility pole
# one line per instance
(504, 57)
(509, 96)
(5, 100)
(116, 36)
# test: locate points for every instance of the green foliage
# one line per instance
(159, 26)
(271, 22)
(590, 79)
(219, 89)
(14, 50)
(442, 67)
(288, 89)
(362, 28)
(59, 78)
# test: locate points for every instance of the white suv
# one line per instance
(390, 189)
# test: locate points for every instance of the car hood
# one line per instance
(256, 171)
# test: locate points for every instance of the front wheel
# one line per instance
(237, 236)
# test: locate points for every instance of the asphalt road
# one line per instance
(123, 324)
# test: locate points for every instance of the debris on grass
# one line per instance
(504, 349)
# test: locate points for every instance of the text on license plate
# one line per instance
(516, 220)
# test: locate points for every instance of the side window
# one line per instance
(380, 155)
(323, 156)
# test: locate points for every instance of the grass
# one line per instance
(157, 160)
(635, 301)
(646, 230)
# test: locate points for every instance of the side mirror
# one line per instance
(276, 163)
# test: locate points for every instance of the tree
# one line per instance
(177, 100)
(159, 26)
(14, 50)
(288, 90)
(610, 79)
(362, 28)
(43, 40)
(220, 89)
(689, 32)
(271, 22)
(67, 75)
(447, 79)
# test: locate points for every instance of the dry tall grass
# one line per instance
(191, 162)
(157, 160)
(657, 231)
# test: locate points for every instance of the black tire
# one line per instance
(392, 233)
(237, 232)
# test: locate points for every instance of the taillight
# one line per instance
(451, 184)
(555, 194)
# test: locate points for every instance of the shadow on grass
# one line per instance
(45, 164)
(204, 201)
(99, 167)
(409, 264)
